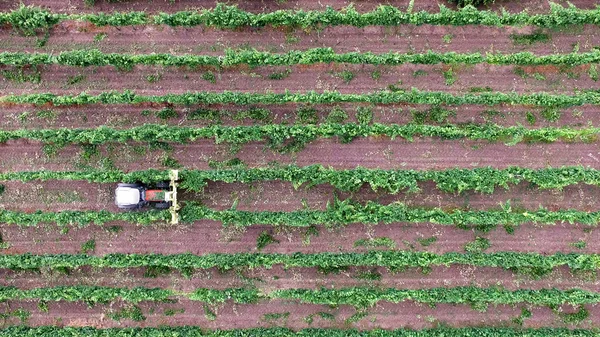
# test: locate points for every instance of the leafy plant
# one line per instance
(375, 242)
(337, 115)
(478, 245)
(528, 39)
(265, 239)
(364, 115)
(88, 246)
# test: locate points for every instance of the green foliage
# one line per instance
(306, 115)
(482, 180)
(449, 76)
(523, 263)
(133, 313)
(357, 316)
(531, 119)
(364, 115)
(346, 75)
(369, 275)
(274, 316)
(375, 242)
(88, 294)
(209, 76)
(280, 75)
(425, 242)
(551, 114)
(337, 115)
(413, 96)
(167, 113)
(577, 317)
(593, 72)
(208, 313)
(156, 271)
(579, 244)
(2, 189)
(538, 36)
(525, 314)
(172, 312)
(464, 3)
(231, 17)
(420, 72)
(153, 78)
(255, 58)
(28, 19)
(277, 136)
(88, 246)
(478, 245)
(364, 297)
(22, 75)
(22, 314)
(265, 239)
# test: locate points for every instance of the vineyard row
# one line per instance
(278, 136)
(359, 297)
(86, 58)
(339, 213)
(412, 96)
(483, 180)
(28, 19)
(392, 260)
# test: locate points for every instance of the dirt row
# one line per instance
(211, 237)
(128, 115)
(292, 315)
(376, 39)
(345, 78)
(279, 277)
(535, 6)
(421, 154)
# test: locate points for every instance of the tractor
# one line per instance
(162, 195)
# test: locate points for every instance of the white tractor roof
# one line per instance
(127, 196)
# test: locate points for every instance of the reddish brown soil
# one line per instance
(319, 77)
(426, 153)
(383, 315)
(210, 237)
(280, 278)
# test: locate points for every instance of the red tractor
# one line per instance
(162, 196)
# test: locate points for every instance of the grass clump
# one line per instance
(478, 245)
(375, 242)
(265, 239)
(337, 115)
(528, 39)
(88, 246)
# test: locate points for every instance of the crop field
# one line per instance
(398, 168)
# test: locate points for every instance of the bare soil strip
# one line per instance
(345, 78)
(210, 237)
(233, 316)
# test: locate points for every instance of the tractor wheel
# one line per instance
(162, 205)
(163, 185)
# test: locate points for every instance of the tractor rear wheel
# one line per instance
(162, 205)
(163, 185)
